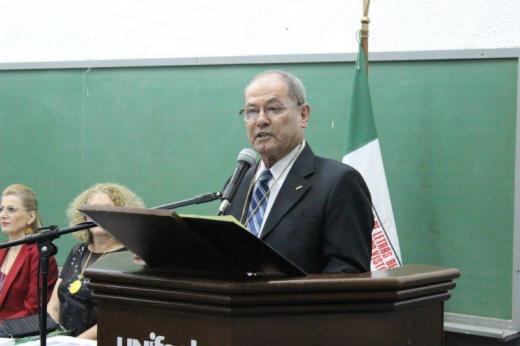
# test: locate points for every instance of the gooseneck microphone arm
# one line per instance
(208, 197)
(246, 158)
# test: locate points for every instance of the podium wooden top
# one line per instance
(116, 278)
(121, 268)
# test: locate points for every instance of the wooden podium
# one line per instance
(402, 306)
(212, 283)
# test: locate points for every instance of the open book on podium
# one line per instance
(215, 246)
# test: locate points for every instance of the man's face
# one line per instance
(275, 134)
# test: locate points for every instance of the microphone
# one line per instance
(246, 158)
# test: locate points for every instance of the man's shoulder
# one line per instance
(323, 168)
(330, 165)
(323, 162)
(333, 173)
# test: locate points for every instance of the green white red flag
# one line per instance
(364, 154)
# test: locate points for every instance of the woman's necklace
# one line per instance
(75, 285)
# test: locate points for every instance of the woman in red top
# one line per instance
(19, 264)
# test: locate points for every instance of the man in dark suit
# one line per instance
(314, 211)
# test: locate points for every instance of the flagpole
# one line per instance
(364, 28)
(363, 152)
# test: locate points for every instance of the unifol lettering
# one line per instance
(155, 340)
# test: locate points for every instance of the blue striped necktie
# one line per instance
(258, 202)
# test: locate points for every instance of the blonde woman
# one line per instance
(19, 264)
(71, 302)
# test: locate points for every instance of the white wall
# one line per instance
(56, 30)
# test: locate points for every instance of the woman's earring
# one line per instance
(28, 230)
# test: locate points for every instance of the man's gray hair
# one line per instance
(295, 86)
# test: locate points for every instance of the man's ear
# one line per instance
(305, 114)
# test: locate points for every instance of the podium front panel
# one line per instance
(402, 306)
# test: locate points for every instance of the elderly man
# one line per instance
(315, 211)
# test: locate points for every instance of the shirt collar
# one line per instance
(278, 168)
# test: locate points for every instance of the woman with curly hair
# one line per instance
(71, 302)
(19, 264)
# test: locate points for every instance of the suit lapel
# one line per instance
(13, 273)
(293, 189)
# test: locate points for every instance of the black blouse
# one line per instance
(77, 309)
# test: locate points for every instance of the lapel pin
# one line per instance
(298, 187)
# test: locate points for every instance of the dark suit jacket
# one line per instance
(19, 293)
(322, 218)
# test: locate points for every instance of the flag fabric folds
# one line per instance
(364, 154)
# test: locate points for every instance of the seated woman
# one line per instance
(19, 264)
(71, 302)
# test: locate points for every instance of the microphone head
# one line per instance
(248, 156)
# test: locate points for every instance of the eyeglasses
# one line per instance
(271, 110)
(9, 210)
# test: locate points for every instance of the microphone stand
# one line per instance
(46, 249)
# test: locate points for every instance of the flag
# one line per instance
(364, 154)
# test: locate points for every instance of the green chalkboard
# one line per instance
(447, 131)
